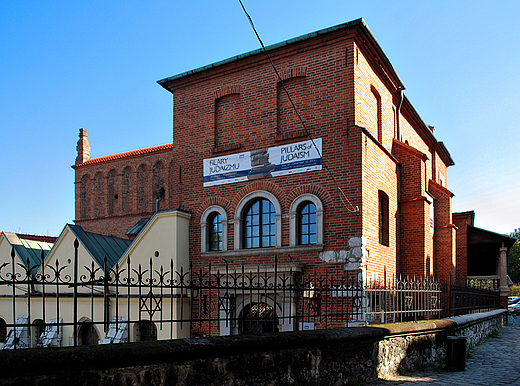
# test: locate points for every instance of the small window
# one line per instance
(384, 232)
(3, 330)
(260, 224)
(215, 232)
(307, 224)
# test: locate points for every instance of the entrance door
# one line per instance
(258, 318)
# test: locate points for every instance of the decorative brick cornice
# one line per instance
(128, 154)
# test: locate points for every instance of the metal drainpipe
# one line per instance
(398, 113)
(160, 193)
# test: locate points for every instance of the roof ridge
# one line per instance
(131, 153)
(46, 239)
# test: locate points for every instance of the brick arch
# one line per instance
(259, 185)
(219, 201)
(318, 191)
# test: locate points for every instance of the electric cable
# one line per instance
(344, 198)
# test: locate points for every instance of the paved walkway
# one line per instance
(495, 362)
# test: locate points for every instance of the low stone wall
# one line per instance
(320, 357)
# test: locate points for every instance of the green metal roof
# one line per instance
(101, 247)
(34, 249)
(138, 226)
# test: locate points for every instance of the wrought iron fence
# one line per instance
(62, 305)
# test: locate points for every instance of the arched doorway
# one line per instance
(258, 318)
(37, 329)
(87, 334)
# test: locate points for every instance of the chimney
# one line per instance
(83, 147)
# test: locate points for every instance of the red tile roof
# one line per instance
(148, 150)
(45, 239)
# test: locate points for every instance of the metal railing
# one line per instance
(72, 305)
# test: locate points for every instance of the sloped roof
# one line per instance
(101, 246)
(358, 23)
(482, 236)
(29, 248)
(138, 226)
(128, 154)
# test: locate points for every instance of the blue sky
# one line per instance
(66, 65)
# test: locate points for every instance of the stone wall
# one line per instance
(320, 357)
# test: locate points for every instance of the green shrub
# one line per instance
(514, 290)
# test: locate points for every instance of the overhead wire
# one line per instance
(343, 196)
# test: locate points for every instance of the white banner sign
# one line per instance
(276, 161)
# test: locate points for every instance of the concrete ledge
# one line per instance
(379, 349)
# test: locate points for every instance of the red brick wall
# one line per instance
(461, 222)
(239, 107)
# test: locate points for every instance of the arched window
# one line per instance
(215, 232)
(307, 225)
(258, 221)
(384, 231)
(3, 330)
(259, 224)
(306, 220)
(37, 329)
(87, 334)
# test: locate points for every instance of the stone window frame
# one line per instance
(293, 218)
(204, 233)
(239, 217)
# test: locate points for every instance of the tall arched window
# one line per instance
(306, 220)
(259, 224)
(213, 229)
(215, 233)
(384, 231)
(307, 227)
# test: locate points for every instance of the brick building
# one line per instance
(362, 187)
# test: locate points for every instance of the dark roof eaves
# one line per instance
(357, 22)
(499, 235)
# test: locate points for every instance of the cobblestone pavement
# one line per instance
(495, 362)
